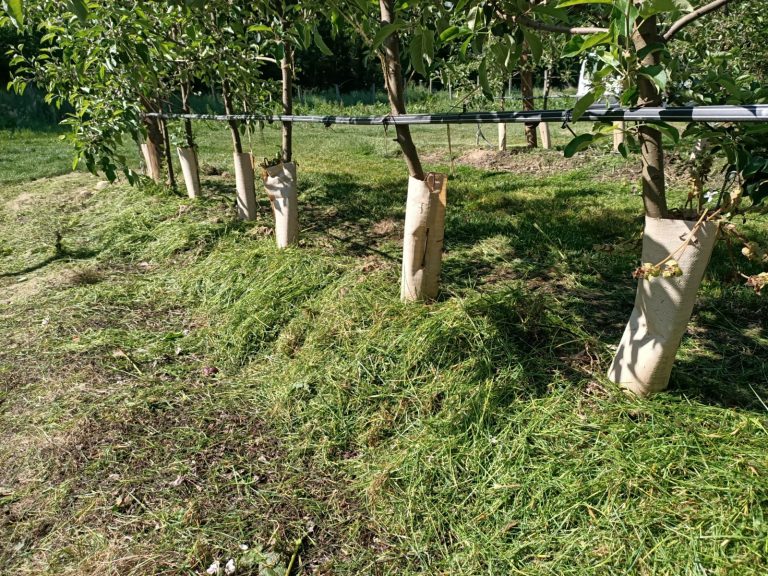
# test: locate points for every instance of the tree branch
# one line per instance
(530, 23)
(692, 17)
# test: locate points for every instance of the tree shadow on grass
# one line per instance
(722, 359)
(548, 239)
(65, 255)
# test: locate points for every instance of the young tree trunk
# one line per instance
(425, 203)
(286, 65)
(168, 158)
(654, 191)
(546, 140)
(153, 148)
(233, 129)
(280, 180)
(246, 195)
(393, 80)
(502, 126)
(526, 89)
(186, 110)
(188, 154)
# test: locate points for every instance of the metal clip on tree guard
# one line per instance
(747, 113)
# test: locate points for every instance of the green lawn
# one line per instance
(172, 387)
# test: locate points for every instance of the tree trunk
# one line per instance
(236, 142)
(168, 158)
(185, 109)
(393, 80)
(502, 126)
(188, 154)
(286, 66)
(654, 192)
(526, 89)
(546, 140)
(153, 149)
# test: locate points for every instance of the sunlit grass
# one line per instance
(173, 387)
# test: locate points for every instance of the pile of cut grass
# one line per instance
(173, 387)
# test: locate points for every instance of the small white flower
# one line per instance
(711, 195)
(230, 567)
(214, 568)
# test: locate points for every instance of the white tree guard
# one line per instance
(618, 134)
(546, 139)
(246, 197)
(280, 184)
(502, 137)
(663, 306)
(188, 161)
(151, 161)
(423, 237)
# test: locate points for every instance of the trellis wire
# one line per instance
(748, 113)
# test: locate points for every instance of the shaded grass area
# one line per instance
(173, 387)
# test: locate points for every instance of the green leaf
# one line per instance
(15, 9)
(472, 17)
(622, 148)
(657, 74)
(581, 142)
(259, 28)
(595, 39)
(582, 104)
(651, 7)
(650, 49)
(428, 45)
(578, 2)
(668, 130)
(573, 47)
(80, 9)
(483, 73)
(552, 11)
(450, 33)
(417, 55)
(534, 43)
(386, 31)
(320, 43)
(464, 46)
